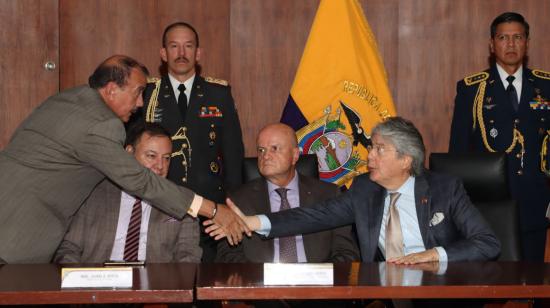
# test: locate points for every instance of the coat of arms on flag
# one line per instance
(326, 137)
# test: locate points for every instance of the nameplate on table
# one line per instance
(298, 274)
(96, 277)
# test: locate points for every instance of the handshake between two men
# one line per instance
(403, 213)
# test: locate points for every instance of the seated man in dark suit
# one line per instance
(281, 188)
(114, 225)
(403, 213)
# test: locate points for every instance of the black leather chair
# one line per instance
(306, 165)
(486, 181)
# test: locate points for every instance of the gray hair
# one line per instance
(407, 141)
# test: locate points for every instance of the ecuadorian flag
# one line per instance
(340, 91)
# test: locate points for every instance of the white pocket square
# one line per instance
(438, 217)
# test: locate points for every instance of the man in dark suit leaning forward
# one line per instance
(402, 212)
(280, 188)
(114, 225)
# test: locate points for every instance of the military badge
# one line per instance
(539, 103)
(210, 112)
(214, 167)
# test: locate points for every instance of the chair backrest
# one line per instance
(484, 174)
(306, 165)
(485, 179)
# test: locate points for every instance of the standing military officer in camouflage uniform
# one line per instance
(200, 115)
(507, 109)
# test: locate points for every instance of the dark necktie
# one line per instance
(287, 245)
(394, 235)
(132, 237)
(182, 101)
(512, 92)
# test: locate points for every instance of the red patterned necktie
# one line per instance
(132, 237)
(287, 245)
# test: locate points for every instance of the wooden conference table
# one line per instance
(372, 280)
(34, 284)
(175, 283)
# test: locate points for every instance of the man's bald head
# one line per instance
(115, 69)
(278, 153)
(281, 129)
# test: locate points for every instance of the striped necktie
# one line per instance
(132, 237)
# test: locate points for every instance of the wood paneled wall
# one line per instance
(426, 45)
(28, 39)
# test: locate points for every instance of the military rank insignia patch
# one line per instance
(210, 112)
(541, 74)
(539, 103)
(476, 78)
(216, 80)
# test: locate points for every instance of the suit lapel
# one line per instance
(168, 106)
(376, 212)
(153, 235)
(263, 206)
(496, 92)
(527, 90)
(197, 99)
(423, 203)
(306, 199)
(113, 198)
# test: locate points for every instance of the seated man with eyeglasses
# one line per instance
(403, 213)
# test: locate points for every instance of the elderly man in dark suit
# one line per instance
(403, 213)
(506, 108)
(200, 114)
(114, 225)
(69, 144)
(282, 186)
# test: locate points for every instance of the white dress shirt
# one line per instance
(517, 82)
(188, 86)
(293, 196)
(126, 206)
(406, 206)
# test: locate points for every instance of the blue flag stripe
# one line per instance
(292, 116)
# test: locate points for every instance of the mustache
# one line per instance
(182, 59)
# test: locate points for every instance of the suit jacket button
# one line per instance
(516, 121)
(219, 188)
(518, 155)
(520, 172)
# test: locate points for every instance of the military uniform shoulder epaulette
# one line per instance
(153, 79)
(216, 80)
(541, 74)
(476, 78)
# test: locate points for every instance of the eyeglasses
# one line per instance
(378, 149)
